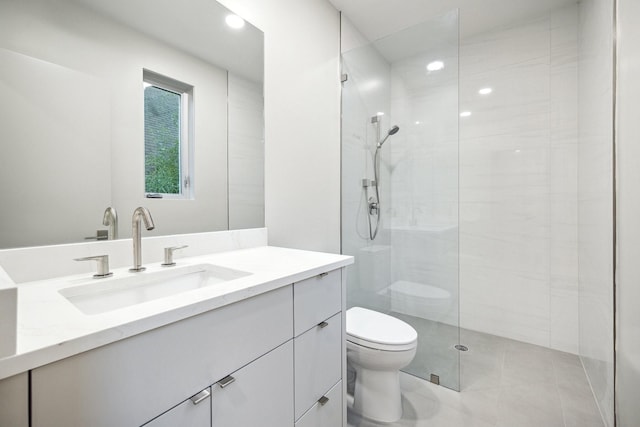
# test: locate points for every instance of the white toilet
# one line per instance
(378, 346)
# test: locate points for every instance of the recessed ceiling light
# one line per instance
(485, 91)
(465, 114)
(417, 122)
(435, 66)
(379, 113)
(234, 21)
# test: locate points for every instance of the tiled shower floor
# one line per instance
(505, 383)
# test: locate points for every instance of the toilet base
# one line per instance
(377, 395)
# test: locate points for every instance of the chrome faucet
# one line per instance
(103, 265)
(110, 219)
(138, 214)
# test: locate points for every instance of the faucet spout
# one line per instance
(141, 214)
(110, 219)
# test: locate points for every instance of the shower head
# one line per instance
(392, 131)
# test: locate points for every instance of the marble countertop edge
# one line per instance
(61, 330)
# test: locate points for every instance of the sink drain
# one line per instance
(461, 347)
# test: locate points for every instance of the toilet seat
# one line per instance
(379, 331)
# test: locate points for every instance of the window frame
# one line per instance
(186, 143)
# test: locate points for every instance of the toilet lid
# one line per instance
(377, 330)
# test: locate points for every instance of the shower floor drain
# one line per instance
(461, 347)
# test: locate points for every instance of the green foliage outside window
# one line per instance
(164, 172)
(162, 141)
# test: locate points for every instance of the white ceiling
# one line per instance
(378, 18)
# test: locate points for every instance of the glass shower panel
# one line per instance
(365, 102)
(409, 268)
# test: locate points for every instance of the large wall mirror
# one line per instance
(83, 82)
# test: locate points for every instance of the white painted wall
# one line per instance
(595, 199)
(628, 216)
(518, 181)
(302, 126)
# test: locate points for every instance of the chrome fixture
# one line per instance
(199, 397)
(110, 219)
(100, 235)
(168, 255)
(144, 215)
(103, 265)
(392, 131)
(374, 202)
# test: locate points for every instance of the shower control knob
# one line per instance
(373, 208)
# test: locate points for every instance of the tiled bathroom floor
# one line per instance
(505, 383)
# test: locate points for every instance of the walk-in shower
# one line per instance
(499, 181)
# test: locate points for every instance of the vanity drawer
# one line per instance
(318, 362)
(316, 299)
(193, 412)
(259, 394)
(130, 382)
(325, 413)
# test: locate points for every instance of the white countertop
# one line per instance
(51, 328)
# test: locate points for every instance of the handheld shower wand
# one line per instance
(374, 204)
(392, 131)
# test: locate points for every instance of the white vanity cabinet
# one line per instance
(132, 381)
(318, 350)
(271, 360)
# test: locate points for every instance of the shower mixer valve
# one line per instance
(373, 207)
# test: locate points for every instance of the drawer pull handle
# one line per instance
(321, 275)
(323, 400)
(323, 324)
(200, 397)
(226, 381)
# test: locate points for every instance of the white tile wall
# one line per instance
(423, 166)
(518, 182)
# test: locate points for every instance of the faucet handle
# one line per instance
(103, 265)
(168, 255)
(100, 235)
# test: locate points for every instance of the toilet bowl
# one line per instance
(378, 346)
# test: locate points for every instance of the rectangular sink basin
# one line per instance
(114, 293)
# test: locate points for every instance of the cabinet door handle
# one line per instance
(321, 275)
(226, 381)
(323, 324)
(200, 396)
(323, 400)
